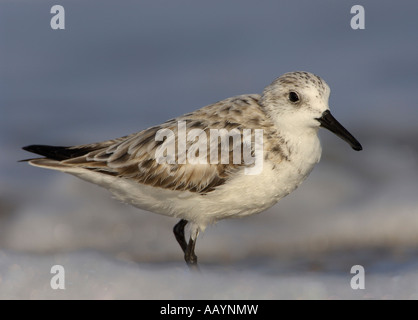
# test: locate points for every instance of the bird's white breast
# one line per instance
(249, 194)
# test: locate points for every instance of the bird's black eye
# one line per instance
(293, 96)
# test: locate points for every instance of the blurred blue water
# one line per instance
(119, 67)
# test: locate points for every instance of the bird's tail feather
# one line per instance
(57, 153)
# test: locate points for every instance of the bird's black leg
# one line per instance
(189, 255)
(179, 234)
(188, 248)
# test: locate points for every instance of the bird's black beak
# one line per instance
(329, 122)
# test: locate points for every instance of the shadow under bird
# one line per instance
(289, 111)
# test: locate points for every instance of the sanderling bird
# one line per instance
(153, 169)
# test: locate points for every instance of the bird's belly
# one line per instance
(246, 195)
(250, 194)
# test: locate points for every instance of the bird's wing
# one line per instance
(138, 156)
